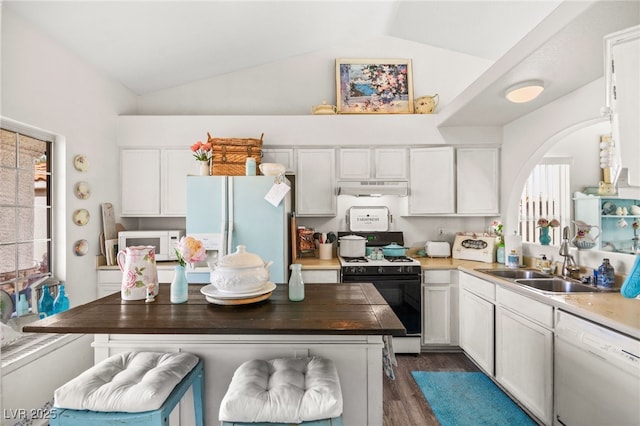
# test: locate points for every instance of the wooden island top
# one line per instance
(328, 309)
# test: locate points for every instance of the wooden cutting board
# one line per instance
(108, 222)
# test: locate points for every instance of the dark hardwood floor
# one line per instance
(403, 403)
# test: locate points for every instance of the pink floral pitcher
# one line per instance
(139, 272)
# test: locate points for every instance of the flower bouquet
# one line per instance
(544, 225)
(497, 229)
(190, 250)
(203, 152)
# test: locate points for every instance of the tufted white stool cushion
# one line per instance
(130, 382)
(287, 390)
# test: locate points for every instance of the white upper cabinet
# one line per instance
(477, 181)
(622, 71)
(388, 163)
(354, 163)
(153, 181)
(140, 182)
(282, 156)
(432, 179)
(176, 165)
(316, 182)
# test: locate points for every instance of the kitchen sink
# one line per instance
(514, 273)
(558, 285)
(543, 282)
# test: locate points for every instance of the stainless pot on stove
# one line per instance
(352, 246)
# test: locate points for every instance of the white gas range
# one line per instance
(397, 278)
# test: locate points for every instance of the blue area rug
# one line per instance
(468, 398)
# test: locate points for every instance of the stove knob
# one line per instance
(380, 270)
(361, 269)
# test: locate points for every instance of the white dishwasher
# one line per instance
(596, 374)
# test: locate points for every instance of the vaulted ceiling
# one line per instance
(149, 46)
(154, 45)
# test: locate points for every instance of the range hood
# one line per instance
(373, 188)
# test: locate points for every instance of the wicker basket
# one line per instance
(230, 154)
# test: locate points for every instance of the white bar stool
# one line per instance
(283, 391)
(133, 388)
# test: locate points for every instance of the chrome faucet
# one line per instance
(569, 267)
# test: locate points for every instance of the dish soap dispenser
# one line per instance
(296, 285)
(61, 303)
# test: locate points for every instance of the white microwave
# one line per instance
(163, 241)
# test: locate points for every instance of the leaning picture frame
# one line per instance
(374, 86)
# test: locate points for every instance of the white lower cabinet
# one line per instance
(477, 320)
(440, 307)
(524, 351)
(320, 276)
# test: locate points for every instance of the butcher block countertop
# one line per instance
(347, 309)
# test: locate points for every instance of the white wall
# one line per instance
(293, 85)
(528, 139)
(48, 87)
(583, 147)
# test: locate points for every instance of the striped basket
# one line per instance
(230, 154)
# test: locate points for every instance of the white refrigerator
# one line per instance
(227, 211)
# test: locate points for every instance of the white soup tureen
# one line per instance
(240, 272)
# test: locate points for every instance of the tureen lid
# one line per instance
(241, 258)
(393, 246)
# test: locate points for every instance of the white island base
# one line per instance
(358, 359)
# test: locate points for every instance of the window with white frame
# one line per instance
(546, 195)
(25, 216)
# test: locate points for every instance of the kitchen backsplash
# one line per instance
(417, 230)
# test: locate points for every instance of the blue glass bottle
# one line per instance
(22, 307)
(45, 304)
(61, 303)
(296, 285)
(606, 274)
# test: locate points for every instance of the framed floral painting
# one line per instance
(374, 86)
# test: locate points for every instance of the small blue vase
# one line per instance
(545, 238)
(179, 286)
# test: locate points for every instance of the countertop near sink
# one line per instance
(609, 309)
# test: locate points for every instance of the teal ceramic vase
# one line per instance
(545, 238)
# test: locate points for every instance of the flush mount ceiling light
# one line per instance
(525, 91)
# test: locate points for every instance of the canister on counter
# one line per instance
(513, 260)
